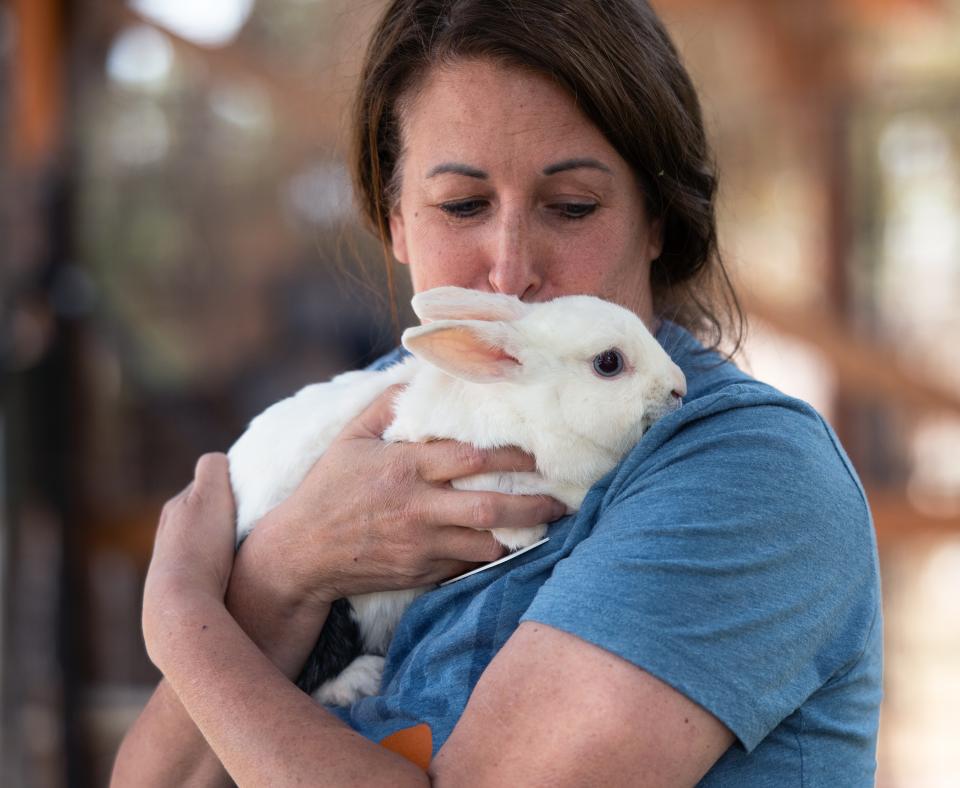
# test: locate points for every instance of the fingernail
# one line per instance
(559, 510)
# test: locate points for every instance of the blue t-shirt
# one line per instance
(731, 554)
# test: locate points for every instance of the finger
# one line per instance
(487, 510)
(441, 461)
(211, 483)
(377, 416)
(467, 544)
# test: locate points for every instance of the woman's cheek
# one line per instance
(436, 266)
(580, 261)
(445, 259)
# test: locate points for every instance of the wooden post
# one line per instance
(39, 740)
(37, 100)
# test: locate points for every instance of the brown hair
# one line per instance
(618, 62)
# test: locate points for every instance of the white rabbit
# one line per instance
(574, 381)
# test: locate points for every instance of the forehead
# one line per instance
(481, 111)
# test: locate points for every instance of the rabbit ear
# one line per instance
(467, 349)
(458, 303)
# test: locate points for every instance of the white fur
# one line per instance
(510, 374)
(361, 678)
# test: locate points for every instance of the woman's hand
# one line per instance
(193, 551)
(376, 516)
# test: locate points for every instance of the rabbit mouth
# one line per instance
(652, 416)
(647, 422)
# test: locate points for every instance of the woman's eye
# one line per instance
(463, 209)
(575, 210)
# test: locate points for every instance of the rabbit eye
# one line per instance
(608, 364)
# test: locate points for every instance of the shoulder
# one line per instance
(747, 468)
(766, 432)
(736, 438)
(735, 533)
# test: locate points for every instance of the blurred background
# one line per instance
(178, 250)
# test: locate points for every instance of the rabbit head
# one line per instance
(589, 363)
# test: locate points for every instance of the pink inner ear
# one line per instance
(462, 353)
(503, 357)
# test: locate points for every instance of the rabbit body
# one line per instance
(490, 371)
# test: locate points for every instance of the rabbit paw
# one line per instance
(517, 538)
(359, 679)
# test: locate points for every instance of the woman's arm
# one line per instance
(390, 506)
(610, 724)
(550, 709)
(264, 730)
(164, 747)
(258, 724)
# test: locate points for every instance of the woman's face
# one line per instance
(507, 187)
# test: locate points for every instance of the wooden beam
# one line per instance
(37, 92)
(865, 369)
(896, 519)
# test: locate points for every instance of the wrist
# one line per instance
(268, 563)
(280, 615)
(172, 622)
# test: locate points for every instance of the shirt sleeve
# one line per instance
(732, 557)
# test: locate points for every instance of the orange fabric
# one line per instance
(415, 744)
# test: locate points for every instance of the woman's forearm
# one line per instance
(164, 747)
(261, 727)
(396, 534)
(281, 619)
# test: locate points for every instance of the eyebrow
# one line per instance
(574, 164)
(457, 169)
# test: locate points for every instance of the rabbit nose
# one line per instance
(679, 383)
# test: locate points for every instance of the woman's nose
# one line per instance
(514, 267)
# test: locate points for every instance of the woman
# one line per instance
(711, 613)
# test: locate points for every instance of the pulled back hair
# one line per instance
(618, 62)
